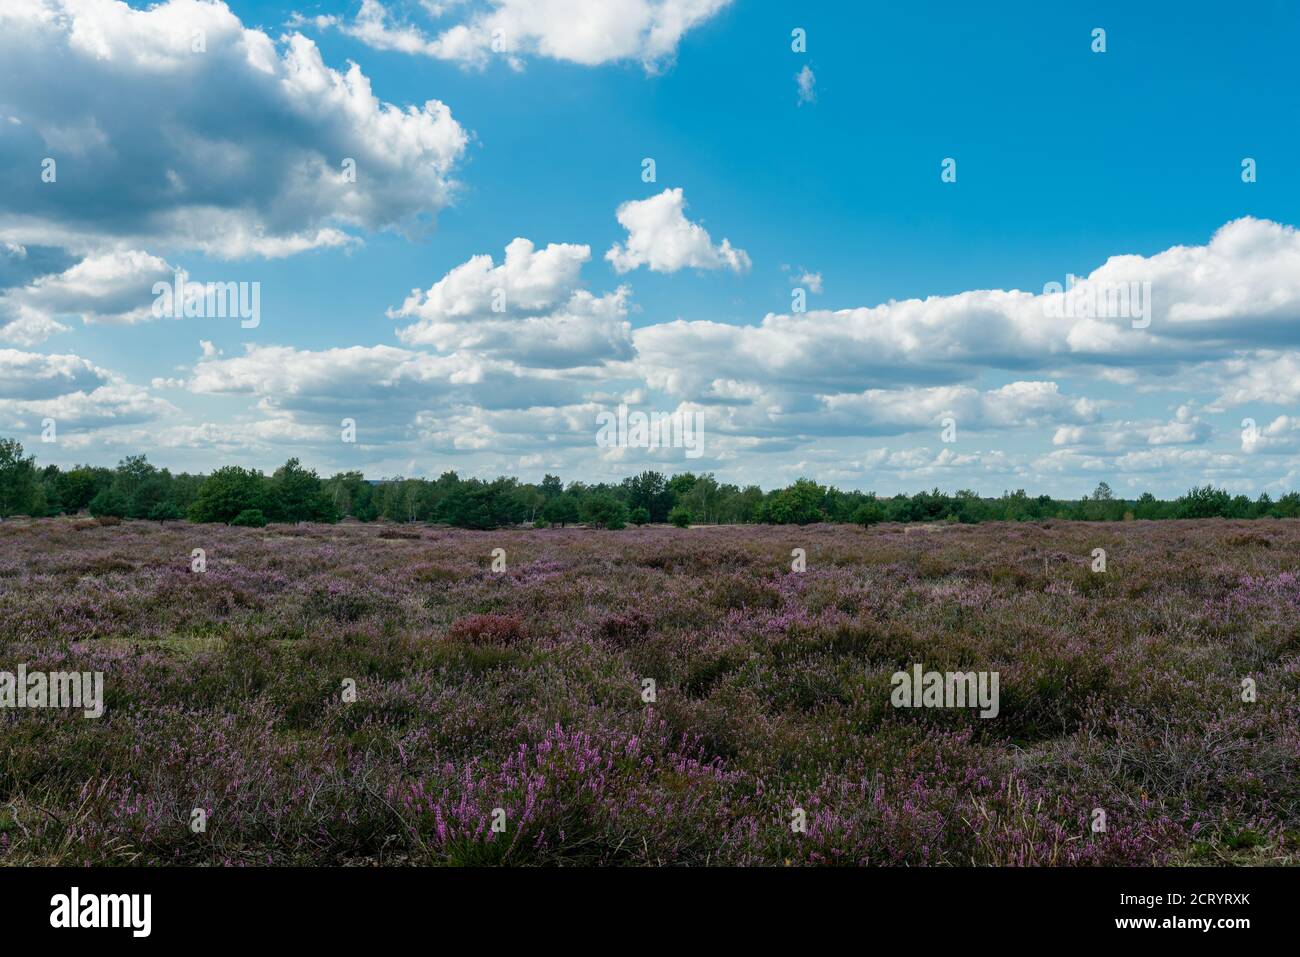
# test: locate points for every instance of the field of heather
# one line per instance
(522, 690)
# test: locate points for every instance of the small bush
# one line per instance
(108, 504)
(165, 512)
(680, 516)
(250, 518)
(869, 513)
(487, 630)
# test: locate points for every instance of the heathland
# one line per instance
(411, 694)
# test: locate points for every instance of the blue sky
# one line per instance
(223, 162)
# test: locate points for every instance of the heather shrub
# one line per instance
(741, 592)
(487, 630)
(523, 690)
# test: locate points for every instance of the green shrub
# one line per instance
(250, 517)
(110, 503)
(604, 511)
(869, 513)
(165, 512)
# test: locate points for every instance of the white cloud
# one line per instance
(117, 403)
(1240, 291)
(113, 287)
(587, 32)
(661, 237)
(527, 281)
(528, 310)
(32, 376)
(77, 394)
(27, 327)
(806, 81)
(1281, 436)
(751, 410)
(1264, 376)
(1186, 428)
(813, 280)
(236, 150)
(814, 390)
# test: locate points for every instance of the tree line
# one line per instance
(140, 490)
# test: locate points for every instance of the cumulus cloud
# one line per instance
(32, 376)
(74, 392)
(1186, 428)
(387, 384)
(1280, 436)
(586, 32)
(330, 378)
(505, 361)
(750, 410)
(104, 287)
(176, 125)
(1265, 376)
(661, 237)
(1015, 405)
(1203, 463)
(529, 310)
(528, 280)
(20, 265)
(1240, 291)
(117, 403)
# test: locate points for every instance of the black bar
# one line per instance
(333, 906)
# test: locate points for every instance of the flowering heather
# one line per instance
(358, 694)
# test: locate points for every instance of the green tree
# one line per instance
(76, 488)
(552, 487)
(561, 510)
(350, 494)
(296, 495)
(650, 491)
(166, 512)
(800, 504)
(680, 516)
(482, 505)
(109, 502)
(147, 495)
(1148, 507)
(17, 480)
(869, 513)
(604, 511)
(227, 492)
(1207, 502)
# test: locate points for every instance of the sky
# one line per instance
(827, 233)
